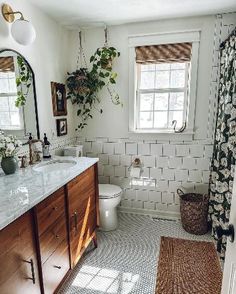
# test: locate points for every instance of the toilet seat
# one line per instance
(107, 191)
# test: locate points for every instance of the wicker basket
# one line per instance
(194, 210)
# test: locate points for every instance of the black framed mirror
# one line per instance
(18, 101)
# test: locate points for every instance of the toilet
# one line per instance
(109, 199)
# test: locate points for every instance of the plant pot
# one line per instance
(9, 165)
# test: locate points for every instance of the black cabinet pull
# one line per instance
(57, 266)
(31, 262)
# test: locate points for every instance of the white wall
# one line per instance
(169, 164)
(48, 57)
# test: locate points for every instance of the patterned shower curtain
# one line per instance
(224, 153)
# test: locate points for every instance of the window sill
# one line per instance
(165, 135)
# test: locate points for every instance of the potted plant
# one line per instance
(8, 149)
(102, 62)
(83, 86)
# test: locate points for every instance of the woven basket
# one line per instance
(194, 211)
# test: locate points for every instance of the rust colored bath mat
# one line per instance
(188, 267)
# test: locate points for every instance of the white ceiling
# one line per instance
(98, 12)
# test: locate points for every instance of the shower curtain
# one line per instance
(224, 152)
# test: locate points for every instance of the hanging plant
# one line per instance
(83, 86)
(23, 81)
(102, 62)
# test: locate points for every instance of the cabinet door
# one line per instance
(56, 268)
(19, 269)
(82, 204)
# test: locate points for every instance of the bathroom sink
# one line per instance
(54, 165)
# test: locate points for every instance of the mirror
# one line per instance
(18, 104)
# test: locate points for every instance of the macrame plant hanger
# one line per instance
(106, 36)
(114, 97)
(81, 59)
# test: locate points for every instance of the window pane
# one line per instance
(162, 79)
(176, 65)
(15, 119)
(176, 101)
(178, 116)
(161, 101)
(147, 80)
(162, 66)
(12, 86)
(146, 119)
(147, 67)
(4, 87)
(12, 104)
(4, 119)
(160, 119)
(4, 104)
(146, 101)
(177, 78)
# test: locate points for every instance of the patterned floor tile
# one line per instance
(125, 261)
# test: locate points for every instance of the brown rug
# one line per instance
(188, 267)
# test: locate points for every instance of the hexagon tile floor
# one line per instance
(126, 260)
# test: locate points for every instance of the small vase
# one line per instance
(9, 165)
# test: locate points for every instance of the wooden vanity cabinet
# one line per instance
(18, 260)
(53, 240)
(82, 197)
(38, 249)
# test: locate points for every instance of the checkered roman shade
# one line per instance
(179, 52)
(6, 64)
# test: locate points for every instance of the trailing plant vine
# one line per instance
(23, 81)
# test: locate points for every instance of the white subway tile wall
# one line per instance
(166, 167)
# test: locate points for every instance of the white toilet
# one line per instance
(109, 199)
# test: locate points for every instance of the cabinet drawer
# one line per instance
(50, 210)
(55, 268)
(52, 238)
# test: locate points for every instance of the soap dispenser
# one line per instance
(46, 147)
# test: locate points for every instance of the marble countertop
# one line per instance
(26, 188)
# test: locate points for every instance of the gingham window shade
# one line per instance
(164, 53)
(7, 64)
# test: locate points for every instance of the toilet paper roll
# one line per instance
(135, 172)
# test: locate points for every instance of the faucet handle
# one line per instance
(23, 161)
(38, 156)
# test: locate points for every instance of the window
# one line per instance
(10, 115)
(162, 82)
(162, 90)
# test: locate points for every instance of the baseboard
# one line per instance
(153, 213)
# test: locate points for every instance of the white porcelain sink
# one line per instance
(54, 165)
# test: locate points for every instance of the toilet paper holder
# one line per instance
(136, 163)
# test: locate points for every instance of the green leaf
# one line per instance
(91, 58)
(112, 81)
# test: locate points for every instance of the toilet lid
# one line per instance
(107, 191)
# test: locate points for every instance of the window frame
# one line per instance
(192, 36)
(161, 90)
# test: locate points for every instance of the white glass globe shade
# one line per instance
(23, 32)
